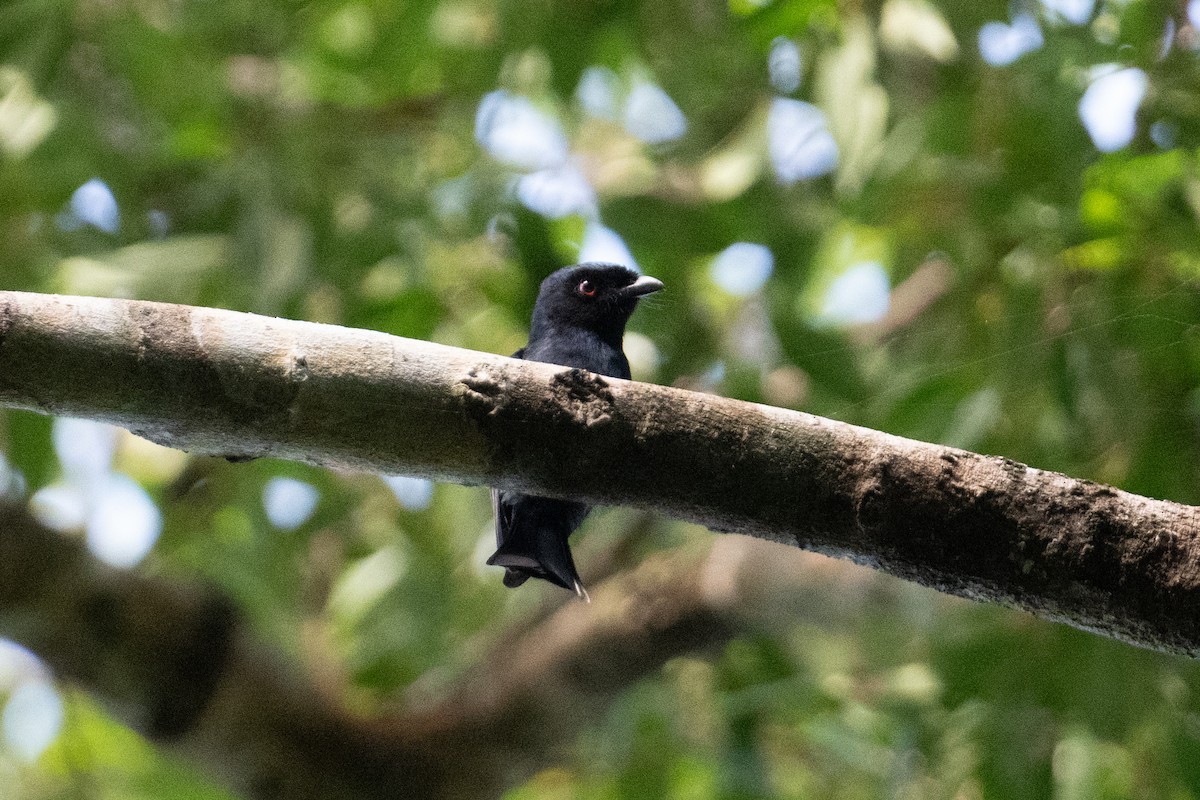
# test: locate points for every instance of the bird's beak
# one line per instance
(643, 285)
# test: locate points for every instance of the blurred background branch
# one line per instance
(174, 661)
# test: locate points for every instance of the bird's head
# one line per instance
(597, 297)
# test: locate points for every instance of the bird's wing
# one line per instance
(496, 511)
(500, 511)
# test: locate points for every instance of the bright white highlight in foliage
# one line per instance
(92, 204)
(121, 521)
(1076, 12)
(798, 141)
(289, 503)
(557, 192)
(597, 92)
(414, 494)
(742, 268)
(525, 138)
(917, 26)
(124, 522)
(1001, 44)
(60, 507)
(1109, 107)
(859, 295)
(32, 719)
(784, 65)
(84, 448)
(604, 245)
(652, 116)
(18, 664)
(517, 133)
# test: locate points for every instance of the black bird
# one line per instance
(578, 321)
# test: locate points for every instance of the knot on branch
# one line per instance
(585, 396)
(482, 392)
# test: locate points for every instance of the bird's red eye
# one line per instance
(587, 288)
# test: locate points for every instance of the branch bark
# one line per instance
(225, 383)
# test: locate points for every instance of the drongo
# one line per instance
(578, 321)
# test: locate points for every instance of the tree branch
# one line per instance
(988, 528)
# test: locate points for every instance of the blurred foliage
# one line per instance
(320, 160)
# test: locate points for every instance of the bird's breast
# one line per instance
(579, 353)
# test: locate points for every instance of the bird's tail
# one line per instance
(544, 555)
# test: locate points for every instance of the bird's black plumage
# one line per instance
(578, 321)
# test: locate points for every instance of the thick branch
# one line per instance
(225, 383)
